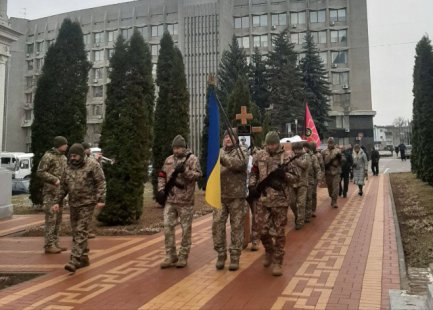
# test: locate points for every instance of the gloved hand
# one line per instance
(160, 197)
(179, 169)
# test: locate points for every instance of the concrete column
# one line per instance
(6, 208)
(3, 60)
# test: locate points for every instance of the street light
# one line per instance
(296, 126)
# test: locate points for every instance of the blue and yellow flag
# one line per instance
(213, 177)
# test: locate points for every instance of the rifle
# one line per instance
(162, 199)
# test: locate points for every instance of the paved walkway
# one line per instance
(345, 259)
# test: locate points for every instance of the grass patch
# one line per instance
(11, 278)
(414, 204)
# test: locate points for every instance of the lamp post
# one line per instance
(296, 126)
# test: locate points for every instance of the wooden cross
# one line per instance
(244, 117)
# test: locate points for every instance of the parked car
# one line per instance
(20, 186)
(18, 162)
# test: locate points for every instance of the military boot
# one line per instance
(63, 249)
(254, 246)
(182, 261)
(169, 262)
(277, 270)
(221, 260)
(84, 261)
(52, 250)
(72, 266)
(234, 263)
(267, 261)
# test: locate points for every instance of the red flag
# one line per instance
(311, 134)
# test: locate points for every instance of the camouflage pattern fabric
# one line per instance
(185, 214)
(81, 217)
(314, 175)
(298, 200)
(50, 170)
(183, 192)
(333, 184)
(271, 224)
(332, 172)
(255, 236)
(235, 208)
(233, 173)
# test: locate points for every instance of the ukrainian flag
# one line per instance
(213, 176)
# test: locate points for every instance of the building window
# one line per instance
(29, 81)
(142, 31)
(30, 48)
(29, 98)
(154, 48)
(341, 100)
(39, 63)
(279, 19)
(244, 42)
(154, 69)
(300, 56)
(324, 57)
(98, 73)
(297, 38)
(97, 91)
(111, 36)
(319, 37)
(260, 20)
(96, 109)
(39, 47)
(86, 38)
(157, 30)
(110, 52)
(260, 41)
(318, 16)
(98, 55)
(126, 33)
(339, 36)
(340, 78)
(273, 38)
(337, 15)
(172, 29)
(49, 43)
(242, 22)
(297, 18)
(339, 57)
(29, 64)
(98, 37)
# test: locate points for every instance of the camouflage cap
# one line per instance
(59, 141)
(272, 137)
(178, 141)
(76, 149)
(86, 145)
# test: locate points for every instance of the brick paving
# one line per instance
(345, 259)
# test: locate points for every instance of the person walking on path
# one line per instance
(397, 149)
(271, 174)
(233, 198)
(333, 160)
(50, 171)
(319, 176)
(185, 167)
(375, 156)
(402, 148)
(360, 164)
(345, 171)
(84, 182)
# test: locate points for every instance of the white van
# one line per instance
(19, 163)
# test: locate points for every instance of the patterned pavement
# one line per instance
(345, 259)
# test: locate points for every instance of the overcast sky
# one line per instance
(395, 26)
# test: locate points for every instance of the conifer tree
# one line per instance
(172, 106)
(316, 85)
(422, 148)
(60, 99)
(258, 83)
(127, 130)
(285, 84)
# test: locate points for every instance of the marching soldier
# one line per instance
(298, 190)
(50, 170)
(314, 174)
(270, 177)
(333, 159)
(185, 167)
(84, 182)
(233, 194)
(319, 157)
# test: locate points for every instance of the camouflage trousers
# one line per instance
(271, 224)
(333, 184)
(53, 221)
(298, 200)
(309, 201)
(314, 197)
(80, 221)
(236, 209)
(185, 214)
(254, 232)
(92, 226)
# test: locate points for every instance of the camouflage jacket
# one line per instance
(332, 160)
(183, 192)
(315, 173)
(263, 164)
(303, 164)
(321, 162)
(233, 173)
(85, 184)
(50, 169)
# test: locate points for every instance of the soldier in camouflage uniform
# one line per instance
(332, 158)
(314, 174)
(180, 201)
(273, 202)
(233, 195)
(50, 170)
(84, 182)
(319, 157)
(298, 190)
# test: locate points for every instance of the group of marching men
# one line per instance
(277, 180)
